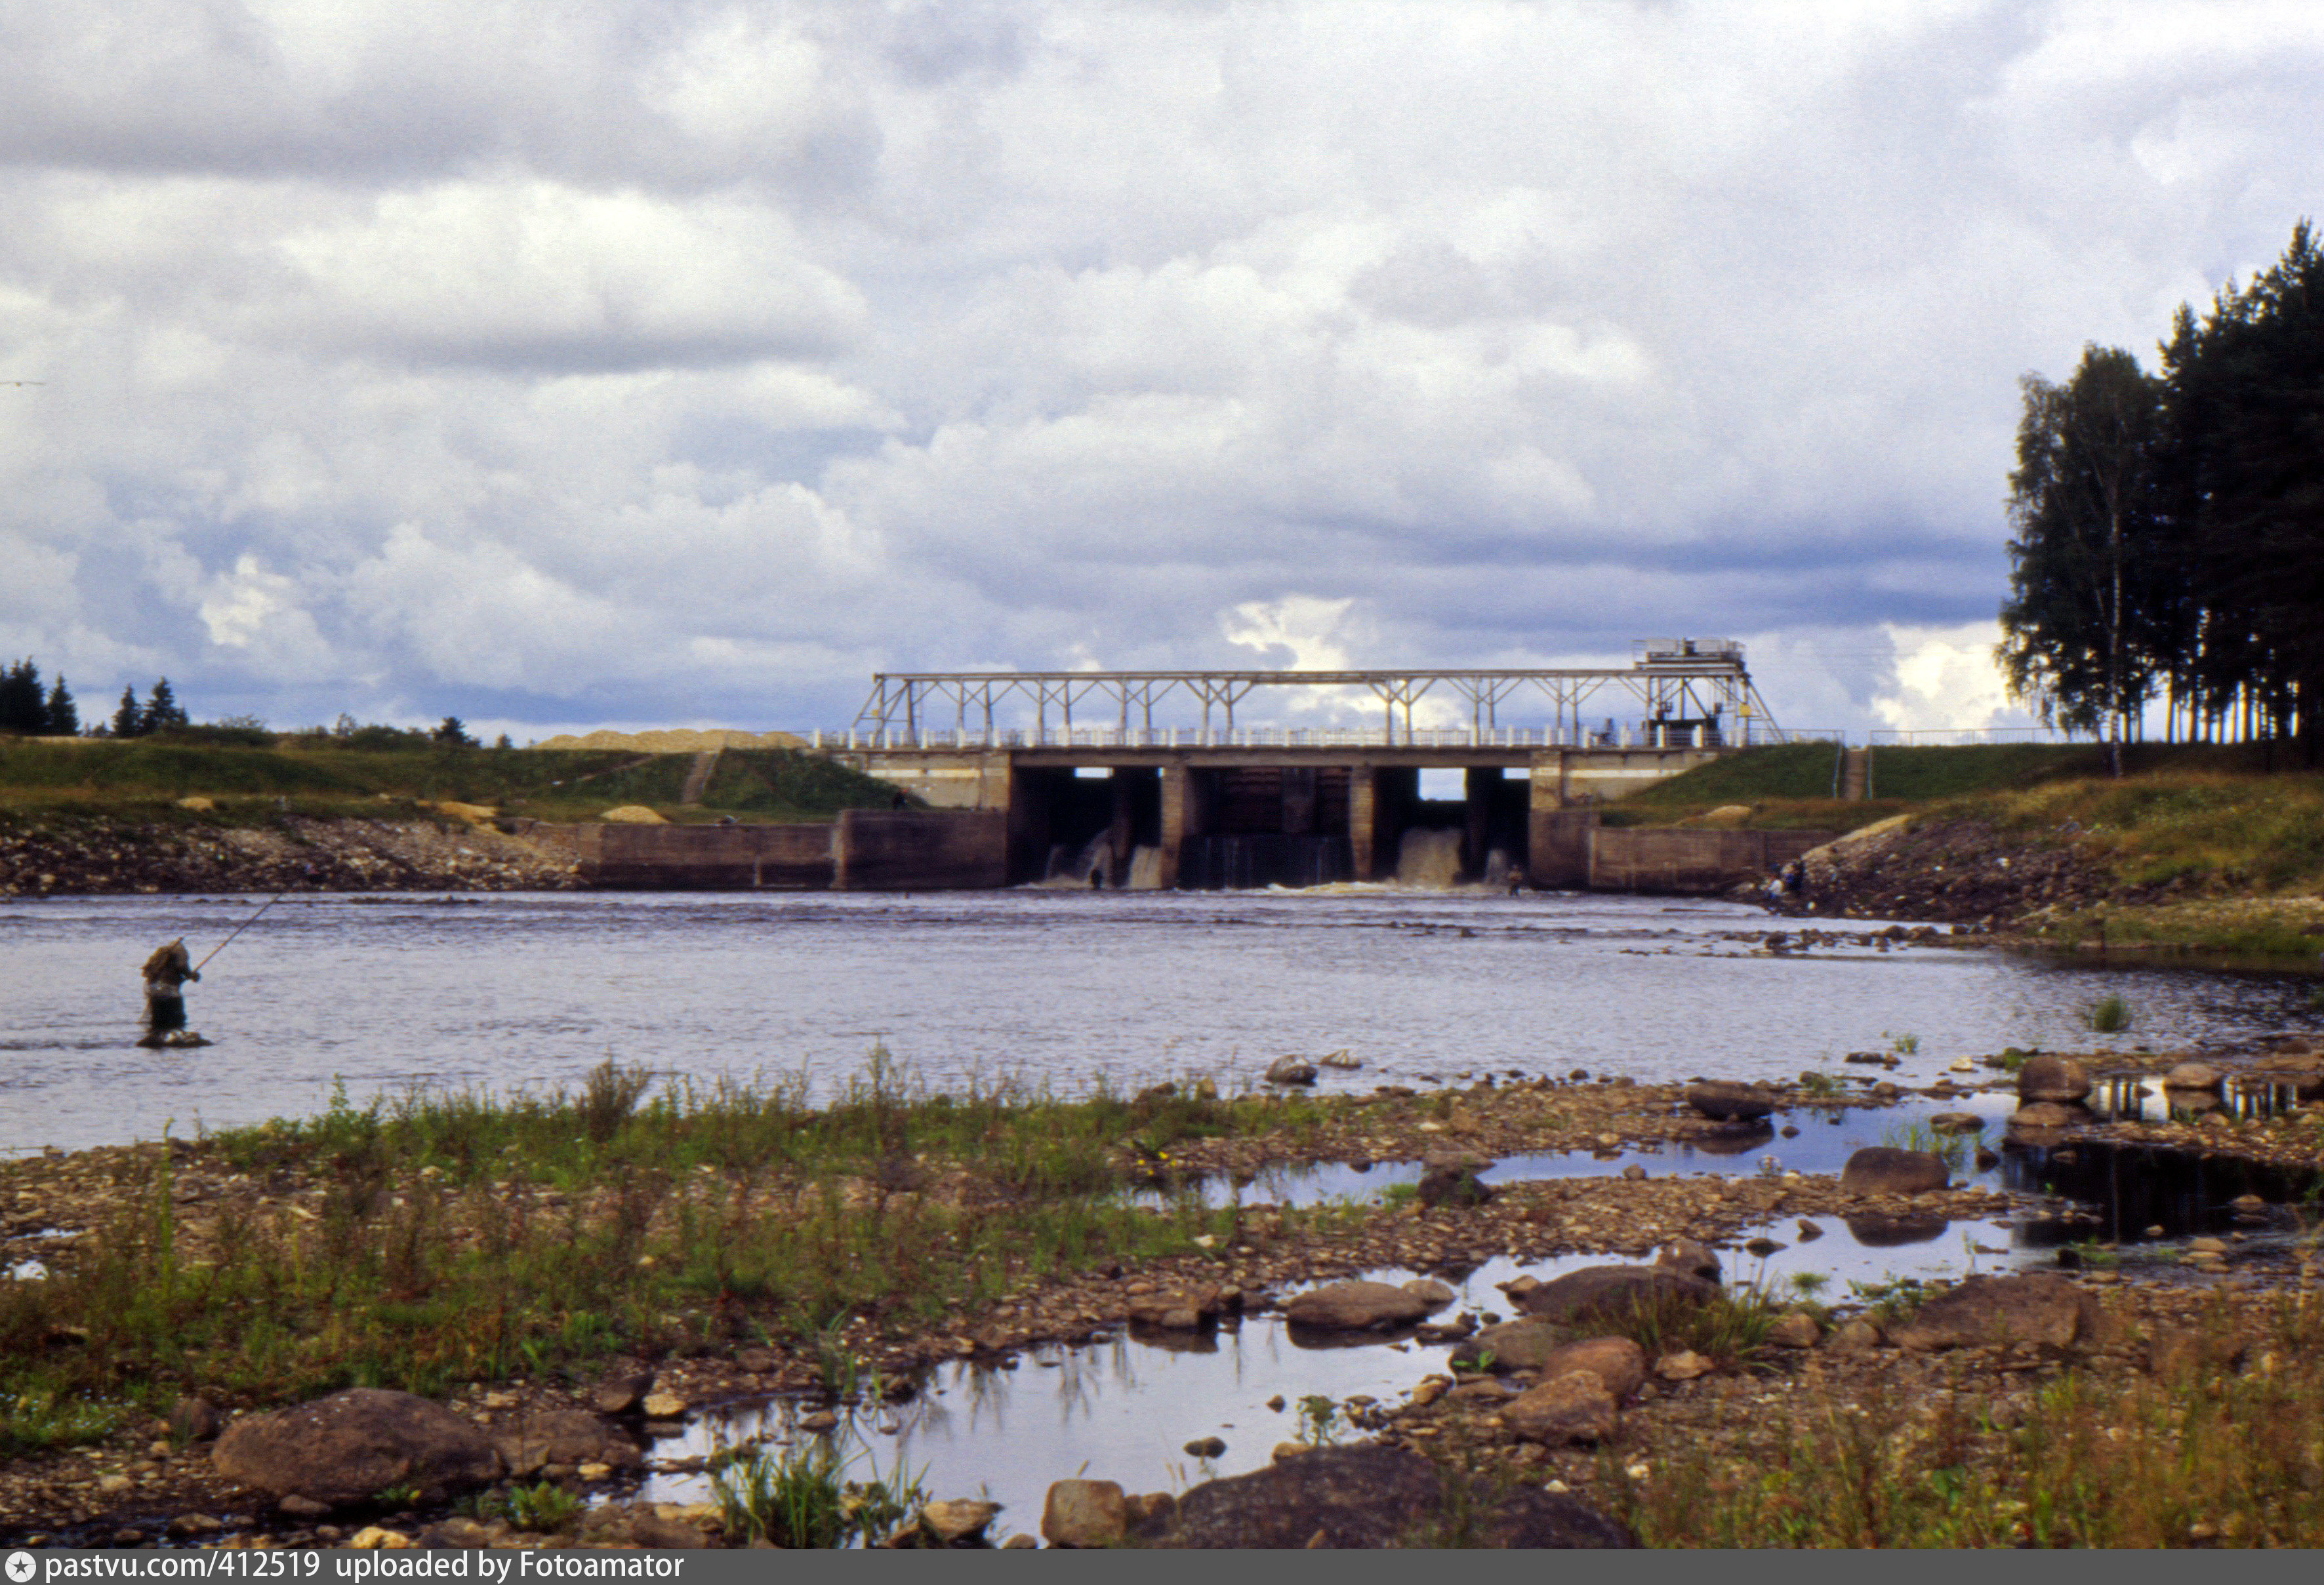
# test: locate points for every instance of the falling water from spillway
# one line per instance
(1430, 859)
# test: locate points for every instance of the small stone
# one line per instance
(188, 1525)
(1020, 1542)
(620, 1395)
(1957, 1122)
(959, 1522)
(1795, 1329)
(663, 1405)
(301, 1508)
(593, 1471)
(379, 1538)
(192, 1419)
(1431, 1292)
(1634, 1173)
(818, 1420)
(1574, 1407)
(1855, 1337)
(1206, 1447)
(2053, 1078)
(1276, 1403)
(1084, 1513)
(114, 1485)
(1288, 1450)
(1684, 1366)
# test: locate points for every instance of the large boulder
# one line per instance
(2053, 1078)
(1291, 1070)
(352, 1445)
(2034, 1307)
(1371, 1498)
(1881, 1169)
(1355, 1306)
(1610, 1290)
(1568, 1408)
(1723, 1101)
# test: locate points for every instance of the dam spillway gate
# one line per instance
(1114, 800)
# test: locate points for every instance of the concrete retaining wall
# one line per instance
(921, 850)
(862, 850)
(1686, 859)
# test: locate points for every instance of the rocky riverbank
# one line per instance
(1955, 872)
(59, 855)
(1685, 1410)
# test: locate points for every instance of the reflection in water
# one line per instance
(1123, 1408)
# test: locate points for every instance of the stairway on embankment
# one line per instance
(1856, 774)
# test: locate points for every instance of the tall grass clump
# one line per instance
(2109, 1015)
(801, 1498)
(1953, 1149)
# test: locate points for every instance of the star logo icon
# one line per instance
(20, 1567)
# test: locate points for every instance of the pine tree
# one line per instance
(454, 733)
(64, 715)
(162, 711)
(2087, 600)
(129, 720)
(21, 706)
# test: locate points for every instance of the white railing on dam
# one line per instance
(1647, 735)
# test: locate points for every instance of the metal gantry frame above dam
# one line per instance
(1692, 692)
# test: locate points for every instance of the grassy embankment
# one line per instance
(2240, 849)
(252, 777)
(448, 1237)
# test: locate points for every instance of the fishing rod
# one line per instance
(238, 929)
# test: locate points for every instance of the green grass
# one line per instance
(143, 778)
(1952, 1148)
(462, 1235)
(39, 1420)
(2109, 1015)
(801, 1497)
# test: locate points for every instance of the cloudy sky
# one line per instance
(654, 361)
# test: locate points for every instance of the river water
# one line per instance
(1062, 987)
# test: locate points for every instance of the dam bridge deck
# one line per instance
(1122, 800)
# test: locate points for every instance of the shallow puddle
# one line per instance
(1123, 1409)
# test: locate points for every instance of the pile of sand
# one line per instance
(681, 740)
(631, 814)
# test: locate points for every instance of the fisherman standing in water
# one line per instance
(166, 974)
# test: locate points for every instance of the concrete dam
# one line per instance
(1125, 803)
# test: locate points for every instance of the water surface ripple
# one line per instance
(1064, 987)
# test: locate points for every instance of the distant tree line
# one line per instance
(2169, 527)
(26, 707)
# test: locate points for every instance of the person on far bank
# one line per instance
(166, 974)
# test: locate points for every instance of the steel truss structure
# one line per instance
(1674, 681)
